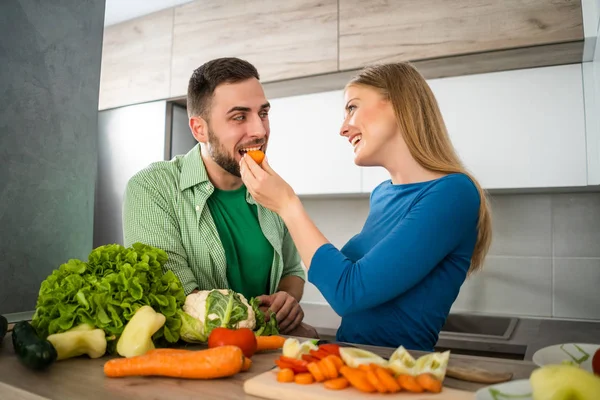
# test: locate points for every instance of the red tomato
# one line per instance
(596, 362)
(243, 338)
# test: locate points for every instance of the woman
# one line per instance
(428, 226)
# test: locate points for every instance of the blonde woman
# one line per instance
(428, 226)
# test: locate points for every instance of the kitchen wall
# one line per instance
(544, 260)
(50, 55)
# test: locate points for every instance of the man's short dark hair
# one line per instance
(208, 76)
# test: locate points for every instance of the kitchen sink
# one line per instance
(478, 326)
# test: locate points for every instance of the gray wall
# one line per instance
(544, 260)
(50, 54)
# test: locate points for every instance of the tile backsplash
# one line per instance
(544, 260)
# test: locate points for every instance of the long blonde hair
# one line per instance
(424, 131)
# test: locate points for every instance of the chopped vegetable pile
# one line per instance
(341, 367)
(107, 290)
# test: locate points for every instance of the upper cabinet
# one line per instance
(389, 31)
(304, 46)
(306, 148)
(136, 60)
(514, 129)
(283, 39)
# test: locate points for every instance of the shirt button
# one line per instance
(197, 208)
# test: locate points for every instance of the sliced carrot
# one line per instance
(429, 382)
(374, 380)
(304, 378)
(285, 375)
(316, 372)
(409, 383)
(336, 384)
(247, 364)
(387, 380)
(212, 363)
(257, 155)
(365, 367)
(339, 363)
(328, 367)
(273, 342)
(357, 379)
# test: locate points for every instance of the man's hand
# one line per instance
(288, 312)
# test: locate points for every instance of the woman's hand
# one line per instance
(267, 188)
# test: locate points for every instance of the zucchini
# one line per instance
(33, 352)
(3, 327)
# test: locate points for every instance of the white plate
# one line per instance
(558, 353)
(520, 387)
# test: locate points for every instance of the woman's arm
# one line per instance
(431, 230)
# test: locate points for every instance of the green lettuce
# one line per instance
(107, 290)
(263, 328)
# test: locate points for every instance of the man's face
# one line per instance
(238, 121)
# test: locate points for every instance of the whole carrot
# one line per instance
(273, 342)
(218, 362)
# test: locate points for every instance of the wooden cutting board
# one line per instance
(266, 386)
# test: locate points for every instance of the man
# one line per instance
(196, 208)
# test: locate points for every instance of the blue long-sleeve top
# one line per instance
(394, 282)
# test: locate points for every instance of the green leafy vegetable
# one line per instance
(263, 328)
(107, 290)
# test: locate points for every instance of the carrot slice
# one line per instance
(409, 383)
(212, 363)
(316, 372)
(387, 380)
(336, 384)
(285, 375)
(304, 378)
(429, 382)
(365, 367)
(273, 342)
(373, 380)
(339, 363)
(328, 367)
(357, 378)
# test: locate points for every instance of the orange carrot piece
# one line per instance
(212, 363)
(339, 363)
(273, 342)
(409, 383)
(374, 380)
(315, 371)
(365, 367)
(357, 378)
(247, 364)
(305, 378)
(336, 384)
(387, 380)
(285, 375)
(257, 155)
(429, 382)
(328, 368)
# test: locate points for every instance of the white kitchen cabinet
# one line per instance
(305, 146)
(514, 129)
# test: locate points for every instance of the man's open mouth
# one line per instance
(247, 149)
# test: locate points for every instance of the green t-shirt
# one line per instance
(249, 254)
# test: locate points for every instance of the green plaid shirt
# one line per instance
(165, 207)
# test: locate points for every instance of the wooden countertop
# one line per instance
(83, 378)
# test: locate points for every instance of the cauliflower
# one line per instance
(208, 309)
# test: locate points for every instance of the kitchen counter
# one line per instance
(529, 336)
(83, 378)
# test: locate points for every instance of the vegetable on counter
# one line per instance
(218, 362)
(77, 341)
(243, 338)
(206, 310)
(107, 290)
(136, 338)
(564, 382)
(31, 350)
(3, 327)
(340, 367)
(273, 342)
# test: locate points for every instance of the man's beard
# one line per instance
(220, 155)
